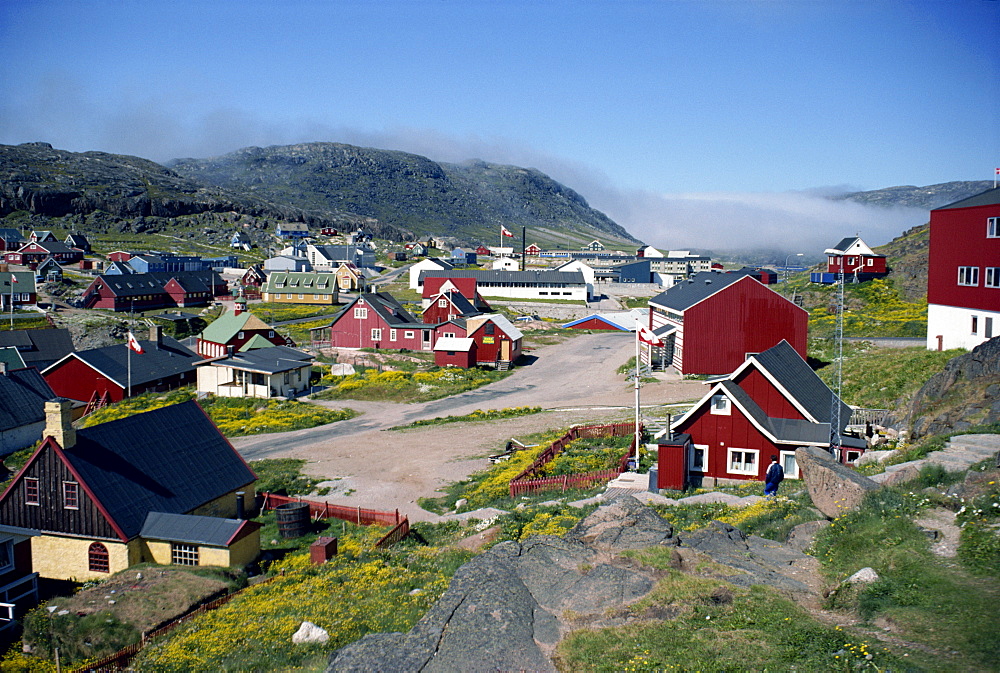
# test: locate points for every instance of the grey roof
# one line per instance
(502, 276)
(39, 347)
(153, 283)
(785, 430)
(54, 246)
(797, 377)
(11, 357)
(11, 235)
(990, 197)
(191, 529)
(271, 360)
(157, 362)
(170, 460)
(23, 393)
(388, 308)
(699, 287)
(458, 300)
(845, 243)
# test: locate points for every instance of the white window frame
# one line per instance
(408, 334)
(360, 313)
(69, 487)
(38, 493)
(442, 303)
(184, 554)
(791, 474)
(992, 277)
(993, 227)
(703, 449)
(743, 469)
(376, 333)
(968, 276)
(720, 405)
(392, 335)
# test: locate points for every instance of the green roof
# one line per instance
(256, 342)
(227, 325)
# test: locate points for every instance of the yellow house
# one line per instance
(301, 287)
(164, 486)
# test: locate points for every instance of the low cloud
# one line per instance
(169, 127)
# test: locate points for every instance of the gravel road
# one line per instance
(369, 465)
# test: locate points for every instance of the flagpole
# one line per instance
(128, 347)
(637, 432)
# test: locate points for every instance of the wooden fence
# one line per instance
(527, 482)
(324, 510)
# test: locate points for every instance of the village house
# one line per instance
(108, 374)
(10, 239)
(79, 241)
(163, 486)
(23, 393)
(375, 320)
(274, 371)
(772, 404)
(42, 237)
(17, 289)
(455, 352)
(18, 582)
(497, 341)
(145, 291)
(533, 250)
(38, 348)
(533, 284)
(351, 277)
(429, 264)
(465, 286)
(446, 306)
(330, 257)
(303, 287)
(49, 271)
(237, 330)
(32, 253)
(240, 240)
(292, 230)
(963, 273)
(854, 259)
(710, 322)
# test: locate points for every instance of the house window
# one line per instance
(443, 303)
(71, 495)
(270, 334)
(31, 491)
(360, 313)
(975, 324)
(408, 334)
(317, 297)
(392, 335)
(302, 296)
(720, 405)
(288, 295)
(698, 458)
(376, 334)
(183, 554)
(240, 336)
(993, 227)
(743, 461)
(98, 560)
(491, 328)
(6, 555)
(968, 275)
(992, 276)
(789, 465)
(448, 334)
(988, 328)
(870, 262)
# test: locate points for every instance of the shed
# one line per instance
(455, 352)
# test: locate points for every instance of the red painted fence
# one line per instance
(526, 482)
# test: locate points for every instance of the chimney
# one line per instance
(156, 335)
(59, 422)
(230, 350)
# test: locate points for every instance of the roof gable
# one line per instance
(23, 393)
(169, 460)
(696, 289)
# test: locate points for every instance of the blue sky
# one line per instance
(662, 114)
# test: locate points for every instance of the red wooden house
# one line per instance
(533, 250)
(484, 251)
(963, 274)
(770, 405)
(455, 352)
(107, 374)
(31, 254)
(10, 239)
(240, 330)
(712, 321)
(119, 256)
(375, 320)
(17, 288)
(433, 287)
(448, 306)
(143, 291)
(497, 341)
(858, 262)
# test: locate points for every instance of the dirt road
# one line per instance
(369, 465)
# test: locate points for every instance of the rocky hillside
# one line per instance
(928, 197)
(467, 201)
(96, 192)
(965, 394)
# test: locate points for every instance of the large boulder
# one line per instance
(835, 489)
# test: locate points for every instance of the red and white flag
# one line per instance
(13, 278)
(134, 344)
(646, 335)
(505, 232)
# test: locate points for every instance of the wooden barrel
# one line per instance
(293, 519)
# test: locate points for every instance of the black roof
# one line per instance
(797, 377)
(157, 362)
(23, 394)
(388, 308)
(133, 284)
(786, 430)
(700, 286)
(39, 347)
(990, 197)
(458, 300)
(170, 460)
(192, 529)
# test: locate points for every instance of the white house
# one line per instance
(429, 264)
(589, 274)
(278, 371)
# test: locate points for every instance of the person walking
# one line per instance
(773, 478)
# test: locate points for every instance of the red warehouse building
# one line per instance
(769, 406)
(712, 321)
(963, 273)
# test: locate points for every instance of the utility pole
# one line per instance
(838, 367)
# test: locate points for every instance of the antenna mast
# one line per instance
(838, 366)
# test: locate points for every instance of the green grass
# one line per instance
(478, 415)
(283, 476)
(879, 378)
(400, 386)
(273, 312)
(872, 309)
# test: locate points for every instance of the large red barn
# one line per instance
(712, 321)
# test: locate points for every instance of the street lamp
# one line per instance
(797, 254)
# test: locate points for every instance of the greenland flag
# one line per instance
(505, 232)
(646, 335)
(134, 344)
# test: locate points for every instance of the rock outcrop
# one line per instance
(508, 608)
(834, 488)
